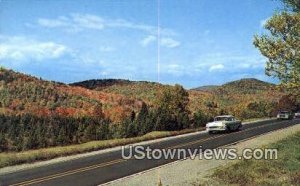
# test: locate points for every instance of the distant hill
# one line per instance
(116, 99)
(243, 98)
(248, 84)
(21, 93)
(243, 85)
(100, 83)
(206, 88)
(233, 97)
(141, 90)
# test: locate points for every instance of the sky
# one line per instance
(201, 42)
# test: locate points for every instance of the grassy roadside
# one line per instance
(14, 158)
(283, 171)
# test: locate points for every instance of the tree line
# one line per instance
(27, 131)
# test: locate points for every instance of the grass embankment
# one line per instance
(283, 171)
(14, 158)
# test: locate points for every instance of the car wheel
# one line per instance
(210, 132)
(227, 129)
(239, 127)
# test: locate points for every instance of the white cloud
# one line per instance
(147, 40)
(216, 67)
(52, 23)
(88, 21)
(165, 42)
(169, 43)
(80, 22)
(174, 69)
(21, 48)
(236, 61)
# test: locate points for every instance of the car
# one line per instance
(223, 123)
(297, 115)
(284, 115)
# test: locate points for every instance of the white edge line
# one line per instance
(173, 162)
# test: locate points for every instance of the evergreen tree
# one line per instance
(61, 139)
(200, 119)
(90, 132)
(3, 143)
(141, 120)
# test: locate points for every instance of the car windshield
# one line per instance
(284, 112)
(223, 118)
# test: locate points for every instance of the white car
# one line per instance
(284, 115)
(297, 115)
(223, 123)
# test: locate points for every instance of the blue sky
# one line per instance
(202, 41)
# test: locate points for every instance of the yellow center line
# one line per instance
(193, 142)
(58, 175)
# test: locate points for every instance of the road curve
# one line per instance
(102, 168)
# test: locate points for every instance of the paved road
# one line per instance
(102, 168)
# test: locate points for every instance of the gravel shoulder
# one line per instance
(190, 172)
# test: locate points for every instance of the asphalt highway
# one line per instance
(102, 168)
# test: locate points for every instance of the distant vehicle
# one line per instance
(285, 115)
(223, 123)
(297, 115)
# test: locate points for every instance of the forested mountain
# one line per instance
(248, 85)
(100, 83)
(35, 113)
(242, 85)
(206, 87)
(22, 94)
(146, 91)
(245, 98)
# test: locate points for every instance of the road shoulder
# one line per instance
(198, 171)
(26, 166)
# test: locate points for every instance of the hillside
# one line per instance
(21, 94)
(245, 85)
(100, 83)
(141, 90)
(206, 88)
(248, 85)
(244, 98)
(35, 113)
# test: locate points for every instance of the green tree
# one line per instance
(31, 141)
(293, 5)
(61, 139)
(282, 46)
(3, 143)
(141, 123)
(172, 111)
(200, 119)
(90, 133)
(131, 129)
